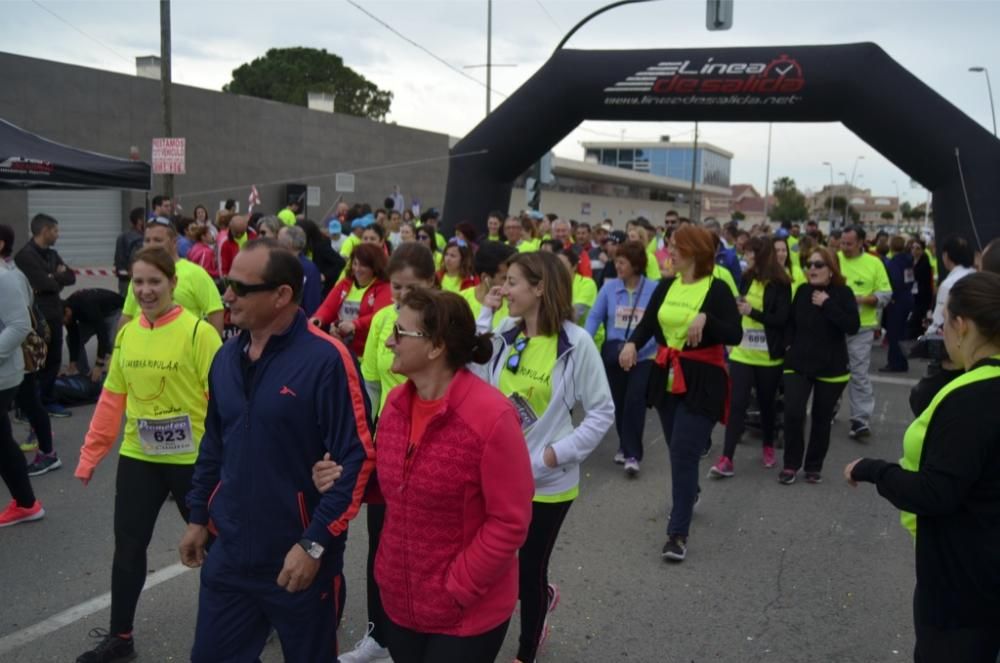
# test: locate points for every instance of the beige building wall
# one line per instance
(619, 210)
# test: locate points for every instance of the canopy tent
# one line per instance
(30, 161)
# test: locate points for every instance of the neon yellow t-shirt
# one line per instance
(347, 247)
(493, 238)
(865, 275)
(376, 361)
(532, 381)
(752, 349)
(682, 303)
(528, 245)
(652, 267)
(726, 277)
(584, 290)
(451, 283)
(241, 241)
(163, 371)
(469, 295)
(195, 291)
(287, 217)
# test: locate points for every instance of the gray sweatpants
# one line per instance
(859, 391)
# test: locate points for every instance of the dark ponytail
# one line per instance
(447, 320)
(976, 297)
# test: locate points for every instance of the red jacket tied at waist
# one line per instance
(713, 355)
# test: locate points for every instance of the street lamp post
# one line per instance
(989, 89)
(844, 220)
(827, 163)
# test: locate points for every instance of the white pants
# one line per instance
(859, 391)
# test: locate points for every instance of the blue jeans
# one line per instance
(688, 435)
(628, 392)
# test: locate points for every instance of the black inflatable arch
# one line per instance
(856, 84)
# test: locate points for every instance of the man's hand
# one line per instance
(96, 373)
(299, 571)
(192, 545)
(325, 473)
(849, 471)
(60, 269)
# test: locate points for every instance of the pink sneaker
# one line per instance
(15, 514)
(553, 592)
(768, 457)
(723, 468)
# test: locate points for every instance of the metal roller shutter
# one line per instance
(89, 223)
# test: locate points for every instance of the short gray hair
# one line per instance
(272, 223)
(293, 238)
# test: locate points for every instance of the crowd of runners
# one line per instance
(272, 375)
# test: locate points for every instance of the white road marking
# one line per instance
(27, 635)
(881, 379)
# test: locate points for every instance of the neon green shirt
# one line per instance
(532, 381)
(528, 245)
(865, 275)
(451, 283)
(682, 303)
(584, 291)
(351, 306)
(469, 295)
(652, 267)
(195, 291)
(752, 349)
(287, 217)
(163, 372)
(376, 361)
(350, 241)
(726, 277)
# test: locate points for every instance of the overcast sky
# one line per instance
(937, 41)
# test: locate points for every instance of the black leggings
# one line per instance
(408, 646)
(533, 573)
(141, 488)
(29, 402)
(13, 468)
(825, 395)
(745, 376)
(376, 614)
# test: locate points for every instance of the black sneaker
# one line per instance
(814, 477)
(111, 648)
(786, 477)
(859, 430)
(675, 549)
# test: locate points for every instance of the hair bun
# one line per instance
(482, 348)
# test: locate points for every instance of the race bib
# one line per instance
(165, 437)
(754, 339)
(525, 414)
(349, 311)
(908, 276)
(627, 318)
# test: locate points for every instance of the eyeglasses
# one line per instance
(815, 264)
(514, 359)
(397, 333)
(241, 289)
(423, 238)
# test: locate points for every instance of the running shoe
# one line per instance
(553, 601)
(57, 411)
(15, 514)
(675, 549)
(20, 417)
(786, 477)
(814, 477)
(859, 430)
(767, 457)
(631, 467)
(366, 650)
(31, 444)
(111, 648)
(620, 457)
(44, 463)
(723, 468)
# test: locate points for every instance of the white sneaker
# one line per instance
(366, 650)
(620, 457)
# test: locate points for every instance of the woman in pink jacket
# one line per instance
(454, 468)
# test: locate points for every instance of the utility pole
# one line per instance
(767, 172)
(694, 174)
(489, 52)
(168, 123)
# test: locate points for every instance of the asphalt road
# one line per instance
(774, 573)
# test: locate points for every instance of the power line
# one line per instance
(421, 47)
(546, 11)
(88, 36)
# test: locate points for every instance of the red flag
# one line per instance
(254, 198)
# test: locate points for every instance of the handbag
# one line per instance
(35, 346)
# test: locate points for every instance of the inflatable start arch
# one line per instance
(857, 84)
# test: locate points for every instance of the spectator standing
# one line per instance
(290, 215)
(48, 275)
(202, 252)
(278, 559)
(87, 313)
(490, 263)
(923, 288)
(162, 206)
(293, 238)
(15, 323)
(327, 260)
(336, 235)
(458, 271)
(957, 259)
(866, 276)
(900, 269)
(184, 230)
(126, 246)
(620, 305)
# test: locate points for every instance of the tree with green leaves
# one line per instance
(888, 216)
(791, 203)
(288, 74)
(905, 210)
(738, 216)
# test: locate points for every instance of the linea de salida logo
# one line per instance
(783, 75)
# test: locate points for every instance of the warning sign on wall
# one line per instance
(168, 156)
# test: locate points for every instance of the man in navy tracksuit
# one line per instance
(281, 396)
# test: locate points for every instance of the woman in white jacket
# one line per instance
(545, 365)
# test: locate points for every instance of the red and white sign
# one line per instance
(168, 156)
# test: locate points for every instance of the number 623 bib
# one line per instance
(163, 437)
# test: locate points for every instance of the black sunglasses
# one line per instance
(241, 289)
(514, 359)
(815, 264)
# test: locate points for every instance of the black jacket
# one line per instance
(777, 307)
(817, 335)
(329, 263)
(127, 244)
(706, 384)
(90, 307)
(956, 497)
(40, 266)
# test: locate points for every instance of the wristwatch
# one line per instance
(312, 548)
